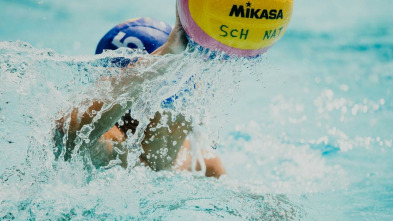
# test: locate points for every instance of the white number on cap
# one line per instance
(133, 40)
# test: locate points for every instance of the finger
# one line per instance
(178, 22)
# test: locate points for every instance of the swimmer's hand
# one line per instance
(177, 40)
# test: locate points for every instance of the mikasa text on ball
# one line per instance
(237, 27)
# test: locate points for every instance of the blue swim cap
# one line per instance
(142, 33)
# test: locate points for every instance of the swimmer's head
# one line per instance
(140, 33)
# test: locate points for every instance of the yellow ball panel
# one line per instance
(241, 24)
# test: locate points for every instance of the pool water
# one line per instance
(305, 132)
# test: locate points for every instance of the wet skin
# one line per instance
(161, 145)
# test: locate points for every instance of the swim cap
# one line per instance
(139, 33)
(237, 27)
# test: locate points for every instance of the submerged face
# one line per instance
(163, 140)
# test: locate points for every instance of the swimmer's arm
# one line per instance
(99, 117)
(177, 40)
(175, 44)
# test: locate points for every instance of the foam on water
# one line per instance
(41, 86)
